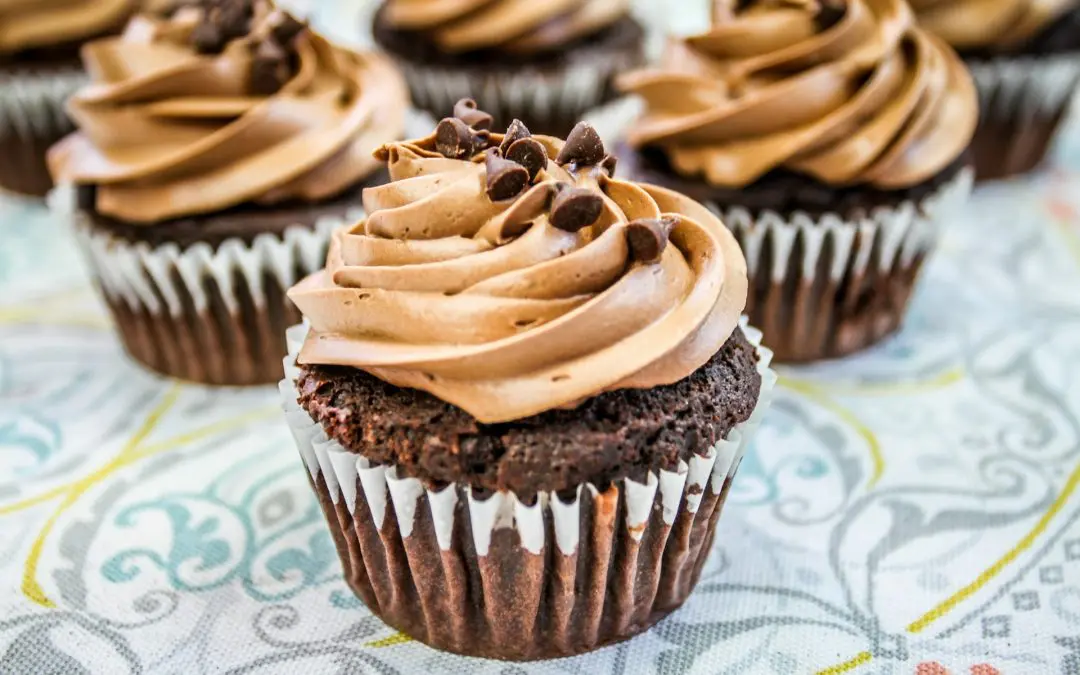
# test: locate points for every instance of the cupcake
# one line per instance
(524, 392)
(546, 62)
(1025, 58)
(217, 150)
(39, 69)
(832, 139)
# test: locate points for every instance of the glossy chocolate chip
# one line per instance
(269, 68)
(207, 38)
(575, 208)
(286, 27)
(648, 237)
(529, 153)
(505, 179)
(455, 139)
(515, 132)
(583, 146)
(466, 111)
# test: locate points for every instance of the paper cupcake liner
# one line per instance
(32, 119)
(1023, 101)
(548, 101)
(499, 578)
(826, 287)
(203, 314)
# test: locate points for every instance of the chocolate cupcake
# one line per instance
(524, 393)
(546, 62)
(218, 148)
(831, 139)
(1025, 58)
(39, 69)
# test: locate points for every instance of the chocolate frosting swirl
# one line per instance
(989, 24)
(175, 123)
(26, 24)
(848, 94)
(491, 307)
(525, 26)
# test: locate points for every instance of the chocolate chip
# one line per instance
(234, 18)
(575, 208)
(830, 13)
(207, 38)
(505, 179)
(456, 140)
(648, 237)
(529, 153)
(269, 68)
(609, 164)
(286, 27)
(515, 132)
(466, 111)
(583, 146)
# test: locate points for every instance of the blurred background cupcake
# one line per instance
(39, 69)
(525, 393)
(546, 62)
(1025, 58)
(217, 149)
(832, 140)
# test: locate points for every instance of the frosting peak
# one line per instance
(848, 93)
(1000, 25)
(511, 303)
(512, 25)
(224, 104)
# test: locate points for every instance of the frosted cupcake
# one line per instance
(546, 62)
(217, 149)
(832, 140)
(1025, 57)
(524, 393)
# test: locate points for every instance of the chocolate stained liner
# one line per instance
(1023, 102)
(827, 287)
(498, 578)
(32, 119)
(549, 101)
(202, 314)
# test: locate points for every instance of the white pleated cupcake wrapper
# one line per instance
(1026, 87)
(342, 471)
(532, 93)
(32, 103)
(130, 272)
(889, 238)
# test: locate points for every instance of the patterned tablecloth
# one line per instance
(912, 510)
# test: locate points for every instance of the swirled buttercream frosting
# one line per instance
(29, 24)
(989, 24)
(511, 25)
(850, 92)
(510, 274)
(221, 104)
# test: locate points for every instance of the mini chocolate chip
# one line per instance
(648, 237)
(456, 140)
(583, 146)
(575, 208)
(609, 164)
(234, 18)
(466, 111)
(505, 179)
(269, 68)
(830, 13)
(515, 132)
(529, 153)
(207, 38)
(287, 27)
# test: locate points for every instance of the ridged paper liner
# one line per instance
(1022, 102)
(826, 287)
(498, 578)
(32, 118)
(205, 314)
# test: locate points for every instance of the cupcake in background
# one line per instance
(217, 149)
(525, 392)
(39, 69)
(832, 139)
(546, 62)
(1025, 58)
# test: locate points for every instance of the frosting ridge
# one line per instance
(848, 94)
(26, 24)
(197, 113)
(994, 24)
(510, 307)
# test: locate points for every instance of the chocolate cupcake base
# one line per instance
(494, 575)
(211, 311)
(1023, 102)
